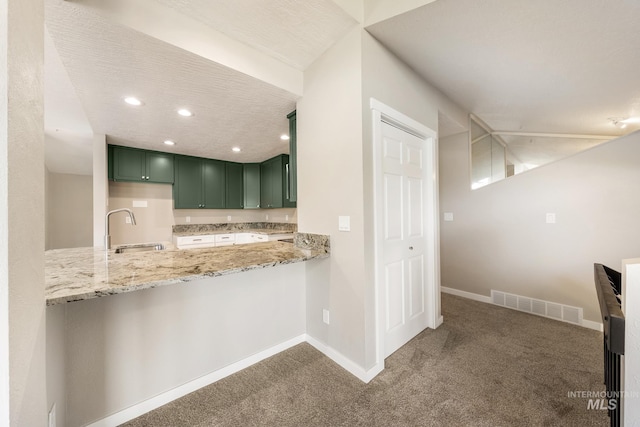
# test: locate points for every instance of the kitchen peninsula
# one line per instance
(85, 273)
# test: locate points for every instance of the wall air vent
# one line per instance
(552, 310)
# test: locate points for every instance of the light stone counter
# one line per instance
(250, 230)
(85, 273)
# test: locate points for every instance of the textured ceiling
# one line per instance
(293, 31)
(106, 62)
(561, 66)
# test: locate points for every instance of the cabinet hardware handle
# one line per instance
(410, 248)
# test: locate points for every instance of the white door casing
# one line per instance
(407, 274)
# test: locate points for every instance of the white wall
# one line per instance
(56, 362)
(22, 219)
(499, 238)
(69, 219)
(100, 188)
(335, 178)
(393, 83)
(124, 349)
(330, 184)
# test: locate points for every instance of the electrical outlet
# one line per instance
(187, 219)
(228, 217)
(551, 218)
(127, 220)
(325, 316)
(52, 416)
(286, 217)
(266, 216)
(448, 216)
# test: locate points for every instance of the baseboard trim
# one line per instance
(465, 294)
(592, 325)
(346, 363)
(180, 391)
(477, 297)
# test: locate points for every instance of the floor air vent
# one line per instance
(565, 313)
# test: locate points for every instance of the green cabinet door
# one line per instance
(251, 184)
(159, 167)
(277, 182)
(287, 181)
(293, 159)
(187, 189)
(131, 164)
(128, 164)
(234, 198)
(272, 182)
(213, 183)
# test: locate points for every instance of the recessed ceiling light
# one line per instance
(131, 100)
(185, 113)
(236, 149)
(169, 142)
(284, 137)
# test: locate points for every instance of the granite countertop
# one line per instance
(268, 231)
(84, 273)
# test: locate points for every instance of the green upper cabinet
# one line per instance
(293, 158)
(275, 183)
(199, 183)
(159, 167)
(251, 184)
(234, 185)
(131, 164)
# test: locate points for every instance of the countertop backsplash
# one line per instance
(235, 226)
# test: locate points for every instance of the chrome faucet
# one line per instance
(107, 237)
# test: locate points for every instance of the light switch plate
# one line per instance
(344, 223)
(551, 218)
(325, 316)
(139, 203)
(127, 220)
(228, 217)
(448, 216)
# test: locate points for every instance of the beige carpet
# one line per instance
(485, 366)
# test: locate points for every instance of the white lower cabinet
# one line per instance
(243, 238)
(192, 242)
(226, 239)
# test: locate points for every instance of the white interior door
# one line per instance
(404, 293)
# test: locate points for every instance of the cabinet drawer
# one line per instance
(242, 238)
(222, 239)
(182, 242)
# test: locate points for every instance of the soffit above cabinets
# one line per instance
(106, 61)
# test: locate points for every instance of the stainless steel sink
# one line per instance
(140, 248)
